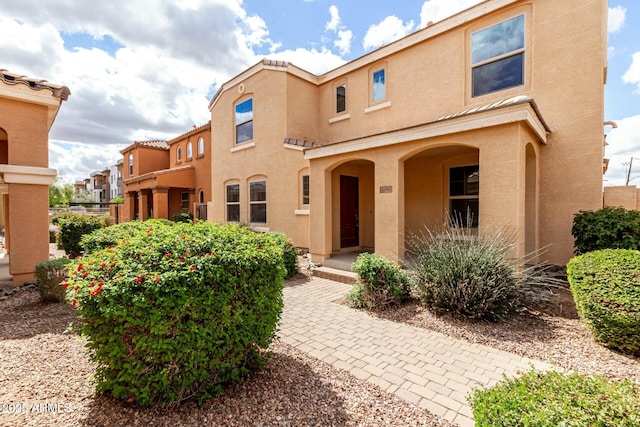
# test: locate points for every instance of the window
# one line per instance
(189, 150)
(179, 154)
(184, 200)
(341, 98)
(244, 121)
(233, 203)
(200, 146)
(464, 191)
(258, 202)
(378, 86)
(201, 196)
(305, 189)
(131, 164)
(497, 57)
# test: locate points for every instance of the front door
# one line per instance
(349, 232)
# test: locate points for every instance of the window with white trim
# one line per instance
(497, 57)
(244, 121)
(464, 195)
(200, 146)
(258, 202)
(233, 202)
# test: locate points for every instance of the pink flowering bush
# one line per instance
(174, 312)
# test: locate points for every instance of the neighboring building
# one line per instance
(79, 187)
(497, 111)
(99, 186)
(162, 178)
(28, 108)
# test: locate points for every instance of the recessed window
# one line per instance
(189, 150)
(184, 200)
(233, 203)
(258, 202)
(131, 164)
(341, 98)
(201, 196)
(305, 189)
(464, 192)
(378, 86)
(244, 121)
(200, 146)
(497, 57)
(179, 154)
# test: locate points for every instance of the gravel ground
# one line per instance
(45, 379)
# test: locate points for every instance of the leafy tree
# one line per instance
(60, 193)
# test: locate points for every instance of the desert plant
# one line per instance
(173, 313)
(539, 399)
(183, 217)
(607, 228)
(49, 278)
(72, 228)
(466, 273)
(289, 253)
(606, 288)
(381, 282)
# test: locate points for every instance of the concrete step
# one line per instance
(324, 272)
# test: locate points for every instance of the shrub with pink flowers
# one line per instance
(174, 312)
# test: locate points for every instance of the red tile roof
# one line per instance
(9, 78)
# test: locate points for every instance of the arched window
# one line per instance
(200, 146)
(201, 196)
(179, 154)
(189, 150)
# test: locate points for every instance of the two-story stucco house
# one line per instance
(496, 112)
(162, 178)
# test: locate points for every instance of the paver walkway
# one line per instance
(424, 367)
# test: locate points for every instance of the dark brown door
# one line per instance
(349, 233)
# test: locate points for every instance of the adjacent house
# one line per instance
(494, 115)
(28, 108)
(162, 178)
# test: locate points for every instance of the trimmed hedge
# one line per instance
(172, 313)
(111, 236)
(381, 282)
(72, 227)
(553, 399)
(607, 228)
(606, 288)
(49, 278)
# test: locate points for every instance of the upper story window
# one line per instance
(244, 121)
(179, 154)
(189, 150)
(378, 85)
(200, 146)
(131, 164)
(497, 57)
(341, 98)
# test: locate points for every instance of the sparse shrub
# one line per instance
(465, 273)
(549, 399)
(606, 288)
(607, 228)
(289, 253)
(49, 278)
(381, 282)
(183, 217)
(72, 228)
(173, 313)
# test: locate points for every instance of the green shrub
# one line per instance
(556, 399)
(606, 288)
(183, 217)
(58, 218)
(72, 228)
(289, 253)
(382, 282)
(173, 313)
(466, 273)
(607, 228)
(111, 236)
(49, 278)
(53, 233)
(117, 200)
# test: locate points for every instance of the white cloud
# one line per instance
(617, 17)
(312, 60)
(632, 75)
(333, 24)
(388, 30)
(436, 10)
(343, 43)
(624, 143)
(76, 161)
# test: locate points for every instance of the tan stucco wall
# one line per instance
(627, 197)
(26, 126)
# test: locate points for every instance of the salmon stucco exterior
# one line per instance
(28, 108)
(495, 114)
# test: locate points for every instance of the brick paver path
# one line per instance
(424, 367)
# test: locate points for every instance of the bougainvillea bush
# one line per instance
(173, 313)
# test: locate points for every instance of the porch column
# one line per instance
(143, 203)
(161, 202)
(389, 207)
(320, 224)
(128, 208)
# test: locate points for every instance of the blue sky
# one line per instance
(147, 69)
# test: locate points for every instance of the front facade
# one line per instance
(483, 117)
(28, 108)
